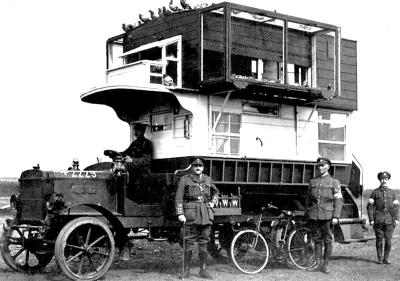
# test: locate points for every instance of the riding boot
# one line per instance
(327, 256)
(203, 273)
(387, 252)
(318, 254)
(379, 251)
(185, 273)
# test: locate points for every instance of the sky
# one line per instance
(52, 51)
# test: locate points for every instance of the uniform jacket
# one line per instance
(140, 147)
(140, 150)
(383, 207)
(324, 198)
(192, 199)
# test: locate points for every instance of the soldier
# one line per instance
(383, 214)
(140, 150)
(323, 206)
(195, 198)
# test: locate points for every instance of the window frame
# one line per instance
(333, 142)
(164, 59)
(229, 136)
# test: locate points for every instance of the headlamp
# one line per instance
(14, 201)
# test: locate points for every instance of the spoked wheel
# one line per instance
(301, 248)
(85, 249)
(249, 251)
(23, 251)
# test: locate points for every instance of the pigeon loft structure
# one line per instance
(259, 94)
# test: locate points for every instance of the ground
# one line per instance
(159, 261)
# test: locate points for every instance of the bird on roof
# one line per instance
(128, 27)
(173, 7)
(152, 15)
(143, 18)
(185, 5)
(160, 12)
(166, 11)
(200, 6)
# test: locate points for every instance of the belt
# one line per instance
(195, 201)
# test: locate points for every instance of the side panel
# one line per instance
(325, 73)
(86, 187)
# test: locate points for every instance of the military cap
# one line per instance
(139, 126)
(324, 160)
(197, 160)
(384, 174)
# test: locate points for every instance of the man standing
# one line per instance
(195, 198)
(383, 214)
(323, 206)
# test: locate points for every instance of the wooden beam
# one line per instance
(337, 61)
(227, 41)
(285, 52)
(280, 16)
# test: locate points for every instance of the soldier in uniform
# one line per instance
(140, 150)
(195, 198)
(323, 206)
(383, 214)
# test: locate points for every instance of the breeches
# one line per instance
(321, 231)
(199, 234)
(383, 231)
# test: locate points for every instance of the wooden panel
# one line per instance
(265, 172)
(253, 171)
(257, 40)
(241, 175)
(325, 72)
(308, 173)
(216, 170)
(287, 175)
(276, 172)
(298, 173)
(229, 171)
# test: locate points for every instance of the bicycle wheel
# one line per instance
(301, 248)
(249, 251)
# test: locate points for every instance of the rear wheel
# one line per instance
(23, 251)
(85, 249)
(249, 251)
(301, 248)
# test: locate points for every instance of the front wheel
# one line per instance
(301, 248)
(249, 251)
(23, 251)
(85, 249)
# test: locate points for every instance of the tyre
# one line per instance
(249, 251)
(23, 251)
(85, 249)
(301, 248)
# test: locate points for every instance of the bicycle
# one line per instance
(290, 242)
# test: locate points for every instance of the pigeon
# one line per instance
(185, 5)
(166, 11)
(143, 18)
(128, 27)
(160, 12)
(200, 6)
(152, 15)
(174, 7)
